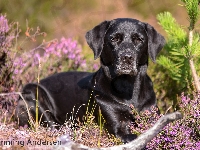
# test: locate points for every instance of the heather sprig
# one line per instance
(66, 49)
(4, 28)
(182, 134)
(56, 56)
(19, 67)
(8, 32)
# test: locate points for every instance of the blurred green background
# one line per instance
(73, 18)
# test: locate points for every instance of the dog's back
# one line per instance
(70, 87)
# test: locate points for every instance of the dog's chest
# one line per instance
(126, 88)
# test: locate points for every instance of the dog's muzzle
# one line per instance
(126, 64)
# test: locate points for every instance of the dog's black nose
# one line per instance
(127, 58)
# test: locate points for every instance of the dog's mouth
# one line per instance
(125, 68)
(126, 64)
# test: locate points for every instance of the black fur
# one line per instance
(123, 46)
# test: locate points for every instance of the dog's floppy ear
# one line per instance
(155, 42)
(95, 38)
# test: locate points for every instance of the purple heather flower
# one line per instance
(83, 63)
(198, 144)
(71, 56)
(185, 99)
(51, 48)
(95, 66)
(172, 133)
(4, 27)
(16, 71)
(37, 56)
(18, 64)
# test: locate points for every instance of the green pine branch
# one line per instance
(192, 7)
(181, 49)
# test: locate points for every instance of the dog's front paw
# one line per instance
(128, 138)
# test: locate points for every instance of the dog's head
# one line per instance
(124, 45)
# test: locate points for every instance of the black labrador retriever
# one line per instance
(123, 46)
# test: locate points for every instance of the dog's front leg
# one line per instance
(118, 124)
(117, 120)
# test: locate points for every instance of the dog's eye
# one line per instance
(116, 38)
(137, 40)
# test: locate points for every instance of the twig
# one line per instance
(12, 93)
(192, 67)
